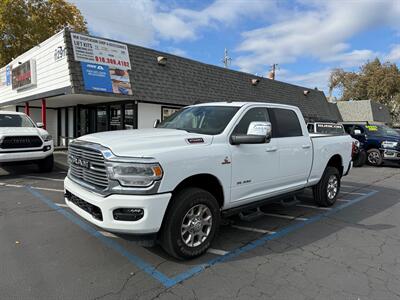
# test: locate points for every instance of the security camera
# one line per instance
(255, 81)
(306, 92)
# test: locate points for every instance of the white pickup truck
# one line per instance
(204, 162)
(21, 140)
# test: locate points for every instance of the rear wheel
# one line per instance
(46, 165)
(360, 160)
(327, 189)
(374, 157)
(191, 223)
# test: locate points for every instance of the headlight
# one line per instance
(135, 174)
(47, 137)
(388, 144)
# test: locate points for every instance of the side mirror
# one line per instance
(156, 123)
(257, 133)
(39, 125)
(260, 128)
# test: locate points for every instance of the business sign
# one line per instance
(24, 75)
(102, 78)
(93, 50)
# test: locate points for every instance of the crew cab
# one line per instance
(23, 141)
(380, 141)
(359, 155)
(203, 162)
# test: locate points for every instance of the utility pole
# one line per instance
(226, 60)
(271, 74)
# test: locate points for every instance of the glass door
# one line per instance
(116, 117)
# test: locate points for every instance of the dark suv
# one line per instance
(380, 141)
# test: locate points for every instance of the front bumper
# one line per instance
(154, 207)
(17, 155)
(390, 154)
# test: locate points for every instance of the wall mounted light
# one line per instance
(255, 81)
(306, 92)
(161, 60)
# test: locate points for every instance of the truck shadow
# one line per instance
(230, 239)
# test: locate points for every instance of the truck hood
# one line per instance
(147, 142)
(15, 131)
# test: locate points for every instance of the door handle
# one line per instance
(271, 149)
(306, 146)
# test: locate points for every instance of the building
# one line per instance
(77, 84)
(364, 110)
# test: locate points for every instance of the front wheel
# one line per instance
(191, 223)
(327, 189)
(46, 165)
(374, 157)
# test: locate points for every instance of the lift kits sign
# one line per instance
(93, 50)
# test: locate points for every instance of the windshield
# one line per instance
(327, 128)
(11, 120)
(201, 119)
(381, 130)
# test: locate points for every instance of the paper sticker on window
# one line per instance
(372, 128)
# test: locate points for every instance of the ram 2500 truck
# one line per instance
(201, 163)
(21, 140)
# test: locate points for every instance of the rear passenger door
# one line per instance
(295, 149)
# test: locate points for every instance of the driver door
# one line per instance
(254, 166)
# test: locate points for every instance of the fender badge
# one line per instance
(195, 140)
(226, 161)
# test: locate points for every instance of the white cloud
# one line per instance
(352, 58)
(177, 51)
(145, 22)
(320, 32)
(394, 54)
(317, 79)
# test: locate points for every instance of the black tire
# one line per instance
(171, 236)
(374, 157)
(324, 187)
(360, 160)
(46, 165)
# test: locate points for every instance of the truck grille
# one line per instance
(15, 142)
(87, 165)
(94, 210)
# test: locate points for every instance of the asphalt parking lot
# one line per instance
(349, 251)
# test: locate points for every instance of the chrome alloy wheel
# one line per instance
(196, 225)
(333, 186)
(373, 158)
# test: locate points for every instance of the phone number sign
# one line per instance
(93, 50)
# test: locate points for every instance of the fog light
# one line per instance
(46, 148)
(128, 214)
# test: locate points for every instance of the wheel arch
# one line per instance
(337, 162)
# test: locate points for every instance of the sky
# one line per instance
(306, 38)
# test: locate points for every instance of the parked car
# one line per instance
(380, 141)
(21, 140)
(203, 162)
(359, 155)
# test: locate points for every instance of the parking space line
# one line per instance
(352, 193)
(108, 234)
(44, 178)
(32, 187)
(253, 229)
(61, 204)
(313, 207)
(343, 200)
(285, 217)
(217, 251)
(347, 186)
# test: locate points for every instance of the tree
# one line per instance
(375, 80)
(26, 23)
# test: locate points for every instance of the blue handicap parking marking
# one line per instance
(168, 281)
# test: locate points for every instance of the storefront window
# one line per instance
(115, 117)
(101, 119)
(129, 116)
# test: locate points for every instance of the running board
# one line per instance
(254, 205)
